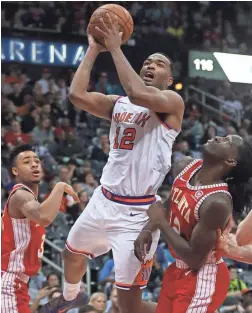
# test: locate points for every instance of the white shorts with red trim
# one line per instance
(115, 224)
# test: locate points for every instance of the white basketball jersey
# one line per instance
(140, 151)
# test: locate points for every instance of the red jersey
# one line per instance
(22, 242)
(185, 202)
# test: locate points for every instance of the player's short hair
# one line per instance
(168, 58)
(18, 150)
(239, 179)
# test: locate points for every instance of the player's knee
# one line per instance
(72, 257)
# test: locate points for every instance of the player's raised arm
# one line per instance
(44, 213)
(244, 231)
(214, 215)
(149, 90)
(93, 102)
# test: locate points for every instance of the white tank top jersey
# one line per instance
(140, 151)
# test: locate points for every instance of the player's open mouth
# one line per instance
(148, 76)
(36, 173)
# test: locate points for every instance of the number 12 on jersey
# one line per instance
(127, 140)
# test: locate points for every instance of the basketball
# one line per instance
(125, 21)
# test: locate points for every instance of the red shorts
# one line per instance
(14, 296)
(185, 291)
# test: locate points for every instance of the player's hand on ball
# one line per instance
(111, 34)
(142, 245)
(156, 213)
(69, 190)
(95, 45)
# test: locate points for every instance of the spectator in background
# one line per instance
(182, 150)
(209, 134)
(106, 275)
(44, 133)
(103, 84)
(112, 303)
(77, 208)
(100, 153)
(175, 29)
(236, 285)
(98, 301)
(53, 280)
(15, 136)
(90, 184)
(42, 85)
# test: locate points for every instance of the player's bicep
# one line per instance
(23, 204)
(214, 214)
(158, 101)
(95, 103)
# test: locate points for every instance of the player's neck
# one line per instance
(32, 186)
(209, 174)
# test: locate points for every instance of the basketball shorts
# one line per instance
(187, 291)
(14, 296)
(113, 222)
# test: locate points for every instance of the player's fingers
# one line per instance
(110, 20)
(104, 25)
(137, 251)
(148, 246)
(101, 32)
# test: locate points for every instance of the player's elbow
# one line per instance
(75, 98)
(45, 222)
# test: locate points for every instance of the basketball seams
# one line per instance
(125, 21)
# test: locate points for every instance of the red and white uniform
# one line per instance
(22, 250)
(184, 290)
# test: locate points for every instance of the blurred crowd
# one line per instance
(74, 145)
(224, 26)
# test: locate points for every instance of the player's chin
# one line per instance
(148, 83)
(36, 180)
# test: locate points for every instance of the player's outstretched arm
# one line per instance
(23, 204)
(214, 215)
(229, 248)
(244, 231)
(93, 102)
(150, 97)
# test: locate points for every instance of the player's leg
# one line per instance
(86, 239)
(131, 276)
(203, 290)
(14, 295)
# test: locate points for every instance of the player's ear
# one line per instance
(170, 81)
(231, 162)
(14, 171)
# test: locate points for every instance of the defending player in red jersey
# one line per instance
(23, 228)
(202, 198)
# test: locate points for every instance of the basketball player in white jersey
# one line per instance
(144, 126)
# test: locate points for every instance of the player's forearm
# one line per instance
(50, 207)
(81, 78)
(130, 80)
(244, 231)
(181, 246)
(237, 253)
(150, 226)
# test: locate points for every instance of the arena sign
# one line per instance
(42, 52)
(236, 68)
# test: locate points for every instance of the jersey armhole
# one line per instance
(114, 103)
(198, 205)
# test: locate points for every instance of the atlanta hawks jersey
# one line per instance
(22, 242)
(185, 202)
(140, 150)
